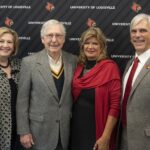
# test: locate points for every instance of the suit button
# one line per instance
(57, 121)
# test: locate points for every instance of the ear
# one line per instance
(42, 39)
(63, 40)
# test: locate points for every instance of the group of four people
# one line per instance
(57, 101)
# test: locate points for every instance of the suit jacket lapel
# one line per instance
(126, 70)
(44, 69)
(140, 76)
(67, 74)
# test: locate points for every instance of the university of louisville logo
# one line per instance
(9, 22)
(91, 22)
(49, 6)
(136, 7)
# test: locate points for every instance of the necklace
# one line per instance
(6, 65)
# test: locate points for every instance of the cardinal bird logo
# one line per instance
(9, 22)
(91, 23)
(136, 7)
(49, 6)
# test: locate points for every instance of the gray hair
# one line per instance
(138, 18)
(50, 23)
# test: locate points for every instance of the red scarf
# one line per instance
(97, 78)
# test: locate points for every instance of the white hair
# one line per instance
(51, 23)
(138, 18)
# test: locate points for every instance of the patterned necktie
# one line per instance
(128, 90)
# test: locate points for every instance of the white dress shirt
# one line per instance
(142, 60)
(55, 65)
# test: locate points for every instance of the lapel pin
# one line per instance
(147, 66)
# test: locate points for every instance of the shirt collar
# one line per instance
(144, 56)
(54, 62)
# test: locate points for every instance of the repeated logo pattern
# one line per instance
(112, 16)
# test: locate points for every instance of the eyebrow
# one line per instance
(140, 29)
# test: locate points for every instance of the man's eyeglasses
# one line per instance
(57, 36)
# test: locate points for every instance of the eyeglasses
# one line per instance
(57, 36)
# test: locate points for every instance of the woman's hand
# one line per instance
(101, 144)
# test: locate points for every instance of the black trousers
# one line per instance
(15, 143)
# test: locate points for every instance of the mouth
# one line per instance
(54, 46)
(138, 42)
(91, 51)
(4, 49)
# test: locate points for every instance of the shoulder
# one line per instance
(15, 63)
(32, 58)
(69, 56)
(110, 67)
(111, 64)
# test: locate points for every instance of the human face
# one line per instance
(53, 40)
(6, 45)
(140, 36)
(92, 48)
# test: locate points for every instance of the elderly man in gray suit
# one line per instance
(136, 89)
(44, 99)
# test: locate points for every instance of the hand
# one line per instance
(26, 140)
(101, 144)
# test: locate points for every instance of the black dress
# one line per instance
(15, 143)
(83, 132)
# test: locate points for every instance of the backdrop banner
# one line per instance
(112, 16)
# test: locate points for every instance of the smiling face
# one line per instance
(54, 39)
(91, 48)
(140, 36)
(92, 45)
(6, 45)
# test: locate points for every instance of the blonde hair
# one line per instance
(4, 30)
(100, 37)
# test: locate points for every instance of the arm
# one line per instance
(103, 142)
(114, 95)
(22, 108)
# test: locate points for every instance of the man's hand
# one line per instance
(26, 140)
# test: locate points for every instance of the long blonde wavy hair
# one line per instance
(99, 35)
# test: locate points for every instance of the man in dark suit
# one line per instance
(136, 89)
(44, 98)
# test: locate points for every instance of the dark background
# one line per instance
(112, 16)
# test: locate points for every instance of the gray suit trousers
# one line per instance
(124, 142)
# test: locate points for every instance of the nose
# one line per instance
(53, 38)
(90, 45)
(137, 33)
(5, 43)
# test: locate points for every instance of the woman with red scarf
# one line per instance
(96, 90)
